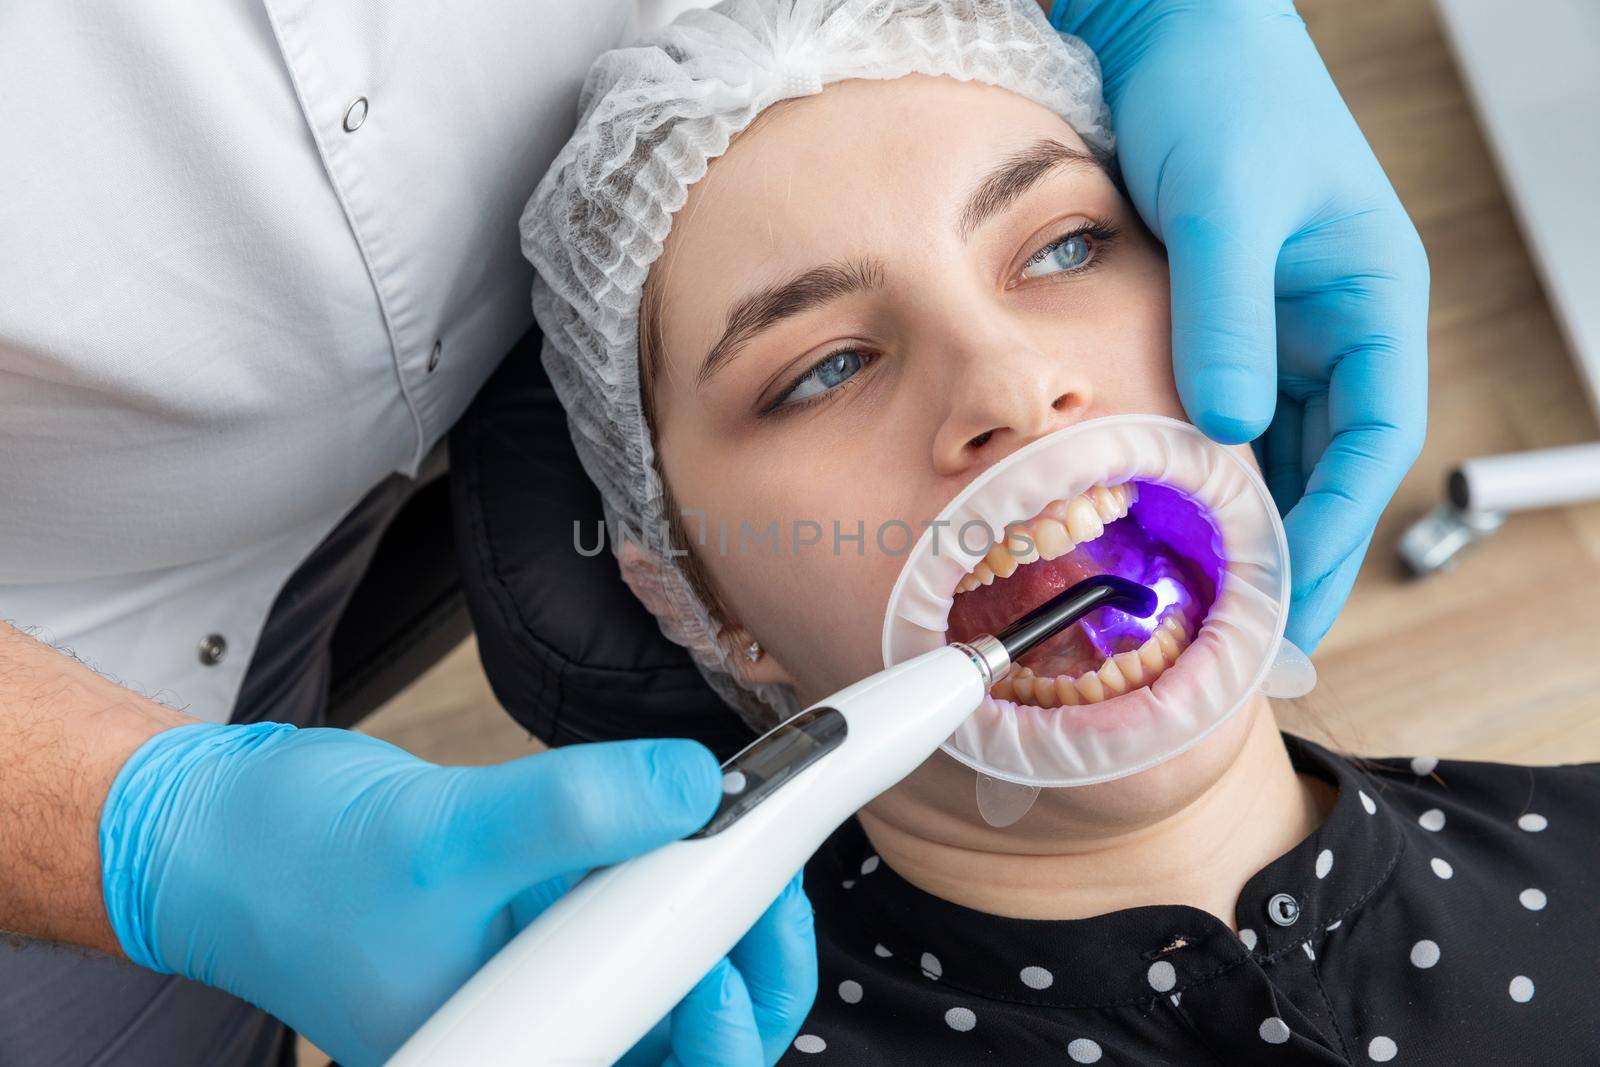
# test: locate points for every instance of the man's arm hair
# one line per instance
(64, 733)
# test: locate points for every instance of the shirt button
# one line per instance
(355, 114)
(433, 357)
(212, 648)
(1283, 909)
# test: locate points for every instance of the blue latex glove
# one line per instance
(1299, 286)
(349, 888)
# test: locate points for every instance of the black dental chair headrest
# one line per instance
(569, 651)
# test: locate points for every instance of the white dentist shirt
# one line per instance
(254, 256)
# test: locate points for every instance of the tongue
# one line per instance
(1123, 550)
(988, 608)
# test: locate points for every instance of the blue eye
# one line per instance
(1070, 253)
(832, 371)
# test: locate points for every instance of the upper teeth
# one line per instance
(1058, 529)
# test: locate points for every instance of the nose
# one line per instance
(1005, 392)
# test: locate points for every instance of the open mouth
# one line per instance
(1142, 530)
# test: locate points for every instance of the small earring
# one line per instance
(753, 651)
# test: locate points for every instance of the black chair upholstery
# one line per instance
(569, 651)
(407, 611)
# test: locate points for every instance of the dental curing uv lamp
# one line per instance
(593, 974)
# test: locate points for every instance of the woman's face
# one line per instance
(875, 294)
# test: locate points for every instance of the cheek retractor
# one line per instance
(1176, 511)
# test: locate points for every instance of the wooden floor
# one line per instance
(1499, 659)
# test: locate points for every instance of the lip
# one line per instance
(1163, 539)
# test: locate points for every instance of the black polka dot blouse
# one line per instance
(1447, 913)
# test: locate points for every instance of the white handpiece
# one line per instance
(592, 975)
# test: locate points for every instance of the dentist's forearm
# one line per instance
(64, 733)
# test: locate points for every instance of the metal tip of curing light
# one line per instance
(1067, 607)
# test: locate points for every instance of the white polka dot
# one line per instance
(1533, 899)
(931, 967)
(1533, 822)
(850, 991)
(1248, 936)
(1335, 924)
(1082, 1050)
(1175, 998)
(849, 883)
(881, 952)
(1037, 978)
(1425, 954)
(1273, 1030)
(1310, 955)
(809, 1043)
(1382, 1049)
(1367, 802)
(1441, 868)
(1423, 765)
(869, 865)
(1522, 989)
(1324, 862)
(1432, 819)
(1162, 976)
(960, 1019)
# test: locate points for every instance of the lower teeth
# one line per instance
(1117, 674)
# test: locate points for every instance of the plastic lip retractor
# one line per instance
(1238, 651)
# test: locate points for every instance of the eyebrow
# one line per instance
(767, 307)
(1015, 175)
(811, 289)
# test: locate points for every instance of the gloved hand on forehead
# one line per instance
(1299, 286)
(349, 888)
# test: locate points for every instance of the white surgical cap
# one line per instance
(651, 118)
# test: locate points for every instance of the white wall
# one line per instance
(655, 13)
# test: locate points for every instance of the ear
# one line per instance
(646, 575)
(764, 669)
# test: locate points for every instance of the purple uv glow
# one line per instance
(1173, 547)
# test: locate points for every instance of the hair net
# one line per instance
(651, 118)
